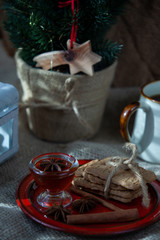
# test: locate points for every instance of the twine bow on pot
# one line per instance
(61, 107)
(128, 163)
(70, 85)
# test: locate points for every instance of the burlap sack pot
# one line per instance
(63, 107)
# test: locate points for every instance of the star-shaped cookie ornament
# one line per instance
(80, 58)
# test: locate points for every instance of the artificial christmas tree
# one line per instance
(63, 106)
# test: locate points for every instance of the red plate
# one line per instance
(26, 200)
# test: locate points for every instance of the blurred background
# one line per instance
(137, 29)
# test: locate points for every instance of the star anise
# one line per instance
(84, 204)
(58, 212)
(52, 165)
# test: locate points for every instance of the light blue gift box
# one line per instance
(9, 100)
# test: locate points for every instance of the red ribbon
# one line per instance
(75, 19)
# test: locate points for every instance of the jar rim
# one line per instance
(74, 163)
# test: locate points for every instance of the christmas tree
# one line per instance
(45, 25)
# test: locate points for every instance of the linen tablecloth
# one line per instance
(14, 224)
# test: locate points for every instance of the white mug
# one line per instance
(146, 128)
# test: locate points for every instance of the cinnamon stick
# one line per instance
(97, 199)
(104, 217)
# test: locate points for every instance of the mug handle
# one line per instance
(124, 119)
(148, 131)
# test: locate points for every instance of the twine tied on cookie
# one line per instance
(128, 163)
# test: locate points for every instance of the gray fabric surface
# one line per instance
(14, 224)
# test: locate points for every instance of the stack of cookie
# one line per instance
(124, 185)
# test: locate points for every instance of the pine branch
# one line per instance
(109, 51)
(41, 26)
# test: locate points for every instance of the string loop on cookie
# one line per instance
(128, 163)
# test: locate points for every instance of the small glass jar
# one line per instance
(53, 172)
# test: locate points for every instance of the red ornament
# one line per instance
(75, 19)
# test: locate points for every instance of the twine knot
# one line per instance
(128, 163)
(70, 85)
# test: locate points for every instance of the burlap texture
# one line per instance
(14, 224)
(76, 102)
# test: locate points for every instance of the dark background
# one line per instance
(138, 30)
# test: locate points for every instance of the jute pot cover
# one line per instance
(62, 107)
